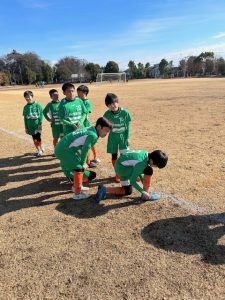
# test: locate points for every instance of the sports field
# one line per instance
(174, 248)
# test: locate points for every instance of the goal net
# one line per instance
(111, 77)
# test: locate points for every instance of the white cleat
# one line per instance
(83, 188)
(81, 196)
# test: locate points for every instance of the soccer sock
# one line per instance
(55, 142)
(93, 149)
(88, 158)
(77, 182)
(36, 144)
(147, 183)
(39, 144)
(114, 162)
(120, 191)
(117, 176)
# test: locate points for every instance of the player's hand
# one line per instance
(26, 130)
(145, 195)
(76, 126)
(128, 142)
(39, 127)
(85, 166)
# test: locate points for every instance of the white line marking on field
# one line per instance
(182, 203)
(23, 137)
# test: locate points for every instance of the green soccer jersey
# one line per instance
(72, 150)
(117, 138)
(72, 112)
(88, 106)
(51, 113)
(130, 165)
(33, 117)
(121, 121)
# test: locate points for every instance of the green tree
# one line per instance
(67, 66)
(111, 67)
(163, 67)
(220, 66)
(93, 69)
(29, 76)
(47, 72)
(133, 71)
(141, 71)
(147, 68)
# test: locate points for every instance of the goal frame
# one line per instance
(111, 77)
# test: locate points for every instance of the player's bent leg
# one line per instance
(77, 185)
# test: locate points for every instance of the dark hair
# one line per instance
(52, 91)
(159, 158)
(111, 98)
(103, 122)
(67, 85)
(83, 88)
(28, 93)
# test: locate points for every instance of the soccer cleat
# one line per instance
(80, 196)
(101, 194)
(96, 160)
(92, 164)
(154, 197)
(39, 153)
(83, 188)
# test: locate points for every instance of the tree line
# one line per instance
(28, 68)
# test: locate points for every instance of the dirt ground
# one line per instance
(54, 248)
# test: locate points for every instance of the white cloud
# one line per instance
(219, 35)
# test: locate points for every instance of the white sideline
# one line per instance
(182, 203)
(23, 137)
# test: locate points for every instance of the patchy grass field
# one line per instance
(53, 248)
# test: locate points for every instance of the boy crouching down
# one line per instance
(129, 167)
(72, 151)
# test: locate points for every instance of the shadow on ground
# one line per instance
(34, 183)
(189, 235)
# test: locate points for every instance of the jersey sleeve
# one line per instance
(47, 112)
(84, 114)
(40, 109)
(128, 120)
(138, 170)
(91, 140)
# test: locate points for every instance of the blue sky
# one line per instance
(118, 30)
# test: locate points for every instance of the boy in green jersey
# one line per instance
(72, 111)
(118, 140)
(129, 167)
(33, 117)
(51, 114)
(72, 151)
(82, 92)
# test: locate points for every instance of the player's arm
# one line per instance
(47, 113)
(138, 170)
(127, 124)
(41, 117)
(90, 141)
(84, 114)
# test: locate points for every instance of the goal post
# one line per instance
(111, 77)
